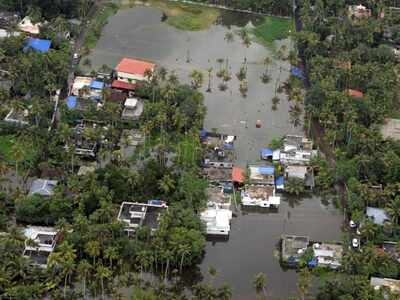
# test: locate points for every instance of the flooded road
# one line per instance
(139, 32)
(252, 246)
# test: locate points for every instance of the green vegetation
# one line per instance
(97, 24)
(276, 7)
(186, 16)
(10, 144)
(272, 29)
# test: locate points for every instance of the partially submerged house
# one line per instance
(270, 154)
(391, 129)
(238, 176)
(293, 247)
(305, 173)
(39, 243)
(391, 249)
(217, 221)
(393, 285)
(261, 175)
(219, 149)
(218, 198)
(43, 187)
(131, 70)
(80, 104)
(297, 150)
(377, 215)
(328, 255)
(217, 174)
(133, 109)
(261, 196)
(123, 86)
(129, 141)
(135, 215)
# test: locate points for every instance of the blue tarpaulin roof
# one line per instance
(280, 181)
(266, 170)
(71, 102)
(297, 72)
(38, 45)
(266, 152)
(98, 85)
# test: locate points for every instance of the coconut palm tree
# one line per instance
(102, 273)
(260, 283)
(92, 248)
(393, 209)
(304, 282)
(197, 79)
(83, 270)
(64, 259)
(209, 71)
(112, 254)
(229, 38)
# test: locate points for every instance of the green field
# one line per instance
(7, 149)
(187, 17)
(273, 28)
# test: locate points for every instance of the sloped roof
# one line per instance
(134, 66)
(26, 25)
(355, 93)
(122, 85)
(237, 174)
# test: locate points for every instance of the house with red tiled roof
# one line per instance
(355, 93)
(132, 70)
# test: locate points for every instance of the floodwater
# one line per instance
(139, 32)
(252, 246)
(254, 242)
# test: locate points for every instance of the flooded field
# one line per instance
(252, 246)
(139, 32)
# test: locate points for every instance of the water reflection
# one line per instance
(229, 18)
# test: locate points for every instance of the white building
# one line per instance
(132, 70)
(217, 221)
(328, 255)
(261, 196)
(39, 243)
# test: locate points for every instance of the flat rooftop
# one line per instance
(136, 215)
(293, 246)
(218, 174)
(216, 194)
(260, 192)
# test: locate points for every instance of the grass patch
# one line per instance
(186, 16)
(7, 147)
(97, 24)
(272, 29)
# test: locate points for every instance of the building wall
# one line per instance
(130, 77)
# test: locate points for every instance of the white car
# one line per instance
(352, 224)
(76, 55)
(355, 243)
